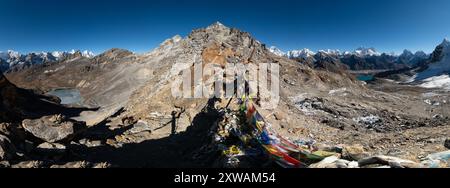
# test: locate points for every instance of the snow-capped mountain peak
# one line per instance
(88, 54)
(9, 55)
(217, 26)
(366, 52)
(13, 53)
(84, 53)
(303, 53)
(440, 62)
(347, 53)
(330, 52)
(57, 54)
(444, 47)
(276, 51)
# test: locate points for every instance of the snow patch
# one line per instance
(442, 81)
(309, 106)
(367, 120)
(340, 91)
(411, 79)
(432, 103)
(429, 94)
(54, 70)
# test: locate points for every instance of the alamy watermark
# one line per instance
(225, 80)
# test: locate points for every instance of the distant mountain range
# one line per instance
(12, 60)
(361, 52)
(359, 59)
(430, 70)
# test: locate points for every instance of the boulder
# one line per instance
(393, 162)
(140, 126)
(4, 164)
(353, 164)
(53, 128)
(329, 162)
(28, 164)
(354, 152)
(90, 143)
(51, 147)
(334, 162)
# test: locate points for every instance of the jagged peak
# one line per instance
(217, 26)
(362, 51)
(112, 54)
(170, 41)
(407, 51)
(445, 42)
(218, 33)
(276, 51)
(177, 38)
(366, 49)
(329, 51)
(174, 39)
(116, 50)
(420, 52)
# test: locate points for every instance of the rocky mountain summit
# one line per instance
(128, 116)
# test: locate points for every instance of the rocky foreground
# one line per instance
(129, 118)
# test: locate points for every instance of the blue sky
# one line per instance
(138, 25)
